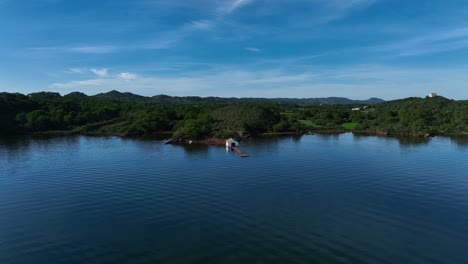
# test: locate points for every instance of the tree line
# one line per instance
(194, 118)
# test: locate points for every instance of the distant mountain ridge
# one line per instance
(130, 97)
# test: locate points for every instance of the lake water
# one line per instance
(311, 199)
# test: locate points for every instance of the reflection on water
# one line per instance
(329, 136)
(461, 141)
(412, 141)
(402, 140)
(19, 147)
(195, 149)
(325, 198)
(156, 137)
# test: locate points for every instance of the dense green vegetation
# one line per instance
(412, 116)
(127, 114)
(198, 118)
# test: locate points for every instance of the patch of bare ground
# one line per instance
(110, 126)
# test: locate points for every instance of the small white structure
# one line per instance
(230, 142)
(432, 95)
(356, 109)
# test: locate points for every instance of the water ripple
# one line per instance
(320, 199)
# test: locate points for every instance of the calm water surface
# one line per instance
(311, 199)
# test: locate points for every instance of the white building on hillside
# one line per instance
(432, 95)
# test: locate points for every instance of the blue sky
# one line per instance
(242, 48)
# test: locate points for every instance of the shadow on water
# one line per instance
(274, 138)
(406, 144)
(412, 141)
(195, 149)
(404, 141)
(460, 141)
(329, 136)
(16, 146)
(269, 143)
(155, 137)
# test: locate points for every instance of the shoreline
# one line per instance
(219, 141)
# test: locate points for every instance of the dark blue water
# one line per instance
(312, 199)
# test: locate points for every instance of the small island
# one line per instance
(211, 120)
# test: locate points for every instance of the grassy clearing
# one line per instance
(310, 123)
(350, 125)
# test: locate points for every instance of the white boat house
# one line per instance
(230, 142)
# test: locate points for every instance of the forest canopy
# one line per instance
(117, 113)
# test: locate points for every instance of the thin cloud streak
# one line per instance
(257, 48)
(78, 84)
(236, 4)
(358, 82)
(332, 10)
(76, 70)
(435, 42)
(78, 49)
(252, 49)
(94, 49)
(199, 25)
(215, 26)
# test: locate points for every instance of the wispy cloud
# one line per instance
(170, 38)
(78, 49)
(252, 49)
(194, 82)
(223, 23)
(435, 42)
(94, 49)
(126, 76)
(100, 72)
(199, 25)
(77, 70)
(142, 85)
(346, 5)
(356, 81)
(79, 84)
(308, 14)
(332, 10)
(236, 4)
